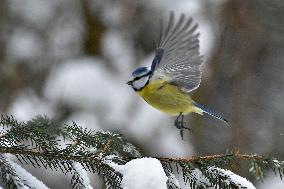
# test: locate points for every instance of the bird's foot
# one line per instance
(181, 124)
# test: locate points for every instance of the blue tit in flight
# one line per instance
(174, 73)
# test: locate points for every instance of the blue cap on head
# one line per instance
(140, 71)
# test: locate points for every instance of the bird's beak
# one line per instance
(129, 82)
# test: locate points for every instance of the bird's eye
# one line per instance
(129, 82)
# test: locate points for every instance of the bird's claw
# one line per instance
(181, 125)
(181, 129)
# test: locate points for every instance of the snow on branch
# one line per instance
(230, 178)
(45, 144)
(80, 177)
(142, 173)
(14, 176)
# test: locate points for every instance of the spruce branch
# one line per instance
(41, 142)
(259, 164)
(208, 166)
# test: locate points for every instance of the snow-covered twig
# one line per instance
(231, 178)
(17, 176)
(80, 176)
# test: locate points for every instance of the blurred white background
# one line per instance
(70, 60)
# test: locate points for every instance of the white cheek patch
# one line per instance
(140, 83)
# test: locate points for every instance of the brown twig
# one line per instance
(213, 157)
(105, 146)
(61, 156)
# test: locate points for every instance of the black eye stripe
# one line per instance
(142, 87)
(137, 78)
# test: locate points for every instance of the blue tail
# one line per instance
(210, 112)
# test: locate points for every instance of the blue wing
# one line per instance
(158, 56)
(177, 56)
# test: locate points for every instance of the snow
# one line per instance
(232, 178)
(84, 119)
(173, 181)
(142, 173)
(182, 6)
(87, 85)
(26, 177)
(36, 12)
(83, 175)
(27, 105)
(196, 174)
(23, 45)
(68, 42)
(115, 45)
(130, 148)
(271, 181)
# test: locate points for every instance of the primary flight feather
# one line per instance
(175, 71)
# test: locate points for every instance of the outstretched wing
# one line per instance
(177, 55)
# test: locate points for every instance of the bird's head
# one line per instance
(140, 78)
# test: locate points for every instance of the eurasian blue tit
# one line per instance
(174, 73)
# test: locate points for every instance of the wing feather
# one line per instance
(177, 55)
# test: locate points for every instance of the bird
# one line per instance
(175, 72)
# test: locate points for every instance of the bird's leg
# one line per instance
(184, 125)
(180, 124)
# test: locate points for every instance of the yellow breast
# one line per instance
(167, 98)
